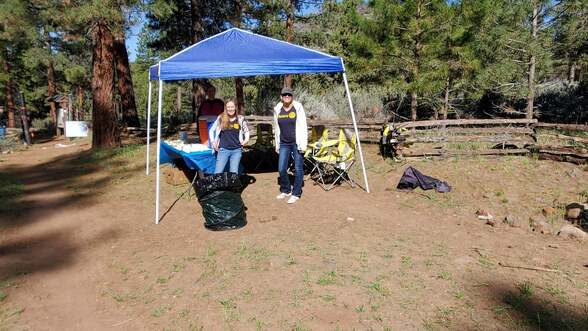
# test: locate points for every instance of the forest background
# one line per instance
(406, 60)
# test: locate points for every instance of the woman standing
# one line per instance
(291, 138)
(230, 135)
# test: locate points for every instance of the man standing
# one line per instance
(208, 113)
(211, 106)
(291, 138)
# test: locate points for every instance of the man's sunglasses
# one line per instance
(287, 95)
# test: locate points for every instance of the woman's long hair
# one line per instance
(225, 116)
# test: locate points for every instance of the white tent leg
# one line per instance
(367, 187)
(148, 128)
(159, 102)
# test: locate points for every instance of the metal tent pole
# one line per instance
(148, 128)
(367, 187)
(159, 102)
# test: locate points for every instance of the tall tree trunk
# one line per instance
(24, 120)
(446, 98)
(196, 34)
(289, 34)
(51, 86)
(9, 96)
(125, 83)
(572, 73)
(105, 131)
(80, 114)
(238, 80)
(179, 99)
(531, 93)
(240, 95)
(413, 105)
(415, 70)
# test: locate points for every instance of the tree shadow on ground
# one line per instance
(525, 306)
(46, 252)
(62, 182)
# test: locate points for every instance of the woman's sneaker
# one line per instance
(283, 195)
(293, 199)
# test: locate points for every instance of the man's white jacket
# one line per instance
(301, 127)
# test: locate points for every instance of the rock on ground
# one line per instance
(572, 232)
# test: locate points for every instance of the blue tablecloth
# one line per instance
(204, 161)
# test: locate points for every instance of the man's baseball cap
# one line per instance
(287, 90)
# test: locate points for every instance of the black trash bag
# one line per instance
(220, 198)
(413, 178)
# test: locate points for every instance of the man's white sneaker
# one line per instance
(283, 195)
(293, 199)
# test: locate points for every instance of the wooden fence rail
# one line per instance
(445, 138)
(463, 137)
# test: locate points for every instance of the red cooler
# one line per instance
(205, 123)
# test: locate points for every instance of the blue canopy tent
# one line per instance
(240, 53)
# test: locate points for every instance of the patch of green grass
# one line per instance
(306, 277)
(558, 293)
(184, 313)
(459, 295)
(130, 296)
(328, 298)
(328, 278)
(526, 289)
(10, 190)
(254, 255)
(9, 314)
(486, 262)
(177, 292)
(259, 325)
(440, 250)
(162, 280)
(445, 275)
(160, 311)
(247, 294)
(229, 310)
(360, 309)
(127, 152)
(209, 261)
(300, 327)
(444, 316)
(301, 294)
(3, 296)
(377, 287)
(290, 260)
(312, 247)
(406, 261)
(428, 325)
(178, 267)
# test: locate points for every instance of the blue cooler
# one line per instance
(2, 132)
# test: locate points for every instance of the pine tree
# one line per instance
(16, 32)
(571, 36)
(105, 22)
(399, 46)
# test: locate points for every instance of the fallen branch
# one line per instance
(527, 268)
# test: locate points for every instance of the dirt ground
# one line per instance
(79, 250)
